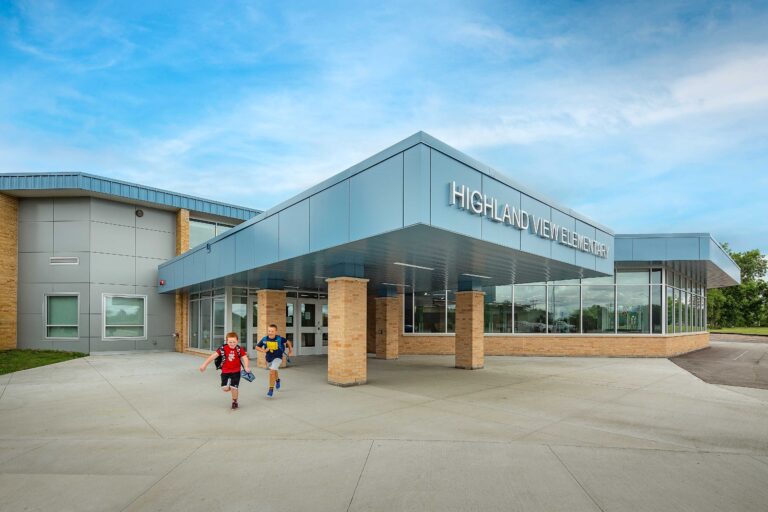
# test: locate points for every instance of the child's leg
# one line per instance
(272, 378)
(234, 394)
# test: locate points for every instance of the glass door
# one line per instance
(253, 323)
(312, 329)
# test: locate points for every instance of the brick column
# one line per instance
(469, 330)
(182, 231)
(9, 270)
(389, 320)
(271, 311)
(347, 309)
(182, 299)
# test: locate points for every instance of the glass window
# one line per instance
(200, 232)
(656, 311)
(599, 313)
(678, 311)
(598, 280)
(656, 276)
(61, 316)
(530, 308)
(670, 310)
(632, 277)
(205, 323)
(194, 324)
(450, 304)
(240, 318)
(125, 316)
(564, 309)
(498, 309)
(429, 312)
(408, 314)
(632, 303)
(218, 322)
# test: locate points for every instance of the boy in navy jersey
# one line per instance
(232, 357)
(274, 347)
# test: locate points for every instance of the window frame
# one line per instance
(46, 325)
(104, 326)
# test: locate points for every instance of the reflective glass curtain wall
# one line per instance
(634, 301)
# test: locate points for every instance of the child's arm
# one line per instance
(208, 361)
(246, 363)
(289, 345)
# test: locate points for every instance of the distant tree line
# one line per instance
(745, 305)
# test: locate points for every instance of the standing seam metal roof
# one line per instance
(122, 189)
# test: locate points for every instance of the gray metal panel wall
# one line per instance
(118, 253)
(493, 231)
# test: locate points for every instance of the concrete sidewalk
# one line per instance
(149, 432)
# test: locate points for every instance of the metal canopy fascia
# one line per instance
(696, 254)
(445, 259)
(406, 185)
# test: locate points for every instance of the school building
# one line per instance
(419, 249)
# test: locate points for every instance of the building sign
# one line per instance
(478, 203)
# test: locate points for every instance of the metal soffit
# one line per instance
(451, 256)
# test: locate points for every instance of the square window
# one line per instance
(125, 316)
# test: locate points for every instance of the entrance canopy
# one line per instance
(419, 213)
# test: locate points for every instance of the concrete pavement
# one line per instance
(149, 432)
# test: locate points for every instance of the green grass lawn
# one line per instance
(15, 359)
(755, 331)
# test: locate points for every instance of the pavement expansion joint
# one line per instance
(589, 495)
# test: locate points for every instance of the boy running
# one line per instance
(232, 357)
(273, 347)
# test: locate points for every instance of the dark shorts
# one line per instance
(230, 379)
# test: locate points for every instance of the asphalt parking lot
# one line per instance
(731, 360)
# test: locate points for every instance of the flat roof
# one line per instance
(692, 252)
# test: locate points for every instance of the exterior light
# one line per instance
(475, 275)
(412, 266)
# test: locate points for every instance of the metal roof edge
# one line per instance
(80, 186)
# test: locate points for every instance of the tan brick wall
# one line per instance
(182, 322)
(470, 354)
(347, 305)
(271, 311)
(9, 270)
(388, 326)
(182, 231)
(371, 325)
(552, 345)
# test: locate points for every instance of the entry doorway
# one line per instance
(306, 323)
(311, 326)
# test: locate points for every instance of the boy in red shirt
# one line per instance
(232, 355)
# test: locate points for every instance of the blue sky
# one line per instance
(646, 116)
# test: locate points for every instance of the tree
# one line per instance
(745, 305)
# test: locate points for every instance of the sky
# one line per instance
(644, 116)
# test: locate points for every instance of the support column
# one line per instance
(182, 299)
(469, 330)
(271, 311)
(9, 270)
(389, 323)
(347, 308)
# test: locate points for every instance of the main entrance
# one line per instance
(306, 322)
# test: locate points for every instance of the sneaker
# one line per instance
(269, 393)
(277, 384)
(234, 404)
